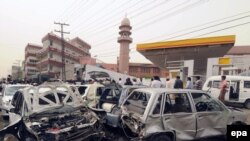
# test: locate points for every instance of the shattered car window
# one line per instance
(177, 102)
(82, 90)
(10, 91)
(205, 103)
(157, 108)
(137, 102)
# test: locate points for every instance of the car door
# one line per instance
(215, 89)
(211, 115)
(178, 115)
(245, 91)
(15, 113)
(233, 91)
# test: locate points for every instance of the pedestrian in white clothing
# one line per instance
(189, 84)
(168, 83)
(157, 82)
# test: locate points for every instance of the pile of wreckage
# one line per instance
(56, 111)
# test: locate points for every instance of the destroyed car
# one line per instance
(6, 96)
(90, 93)
(51, 113)
(113, 96)
(171, 114)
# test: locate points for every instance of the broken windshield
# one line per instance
(137, 102)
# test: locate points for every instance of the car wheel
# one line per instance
(247, 104)
(160, 138)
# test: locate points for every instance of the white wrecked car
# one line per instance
(51, 112)
(171, 114)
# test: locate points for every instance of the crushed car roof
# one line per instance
(50, 95)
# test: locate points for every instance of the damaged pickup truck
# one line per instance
(170, 114)
(51, 113)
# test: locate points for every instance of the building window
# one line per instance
(156, 70)
(32, 70)
(146, 70)
(33, 61)
(133, 69)
(50, 55)
(50, 42)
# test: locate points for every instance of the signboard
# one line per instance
(224, 61)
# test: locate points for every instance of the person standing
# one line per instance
(150, 83)
(198, 83)
(178, 83)
(156, 83)
(141, 83)
(168, 83)
(128, 82)
(120, 81)
(134, 81)
(189, 84)
(223, 88)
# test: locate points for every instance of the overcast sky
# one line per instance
(97, 22)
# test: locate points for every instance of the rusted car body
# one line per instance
(170, 114)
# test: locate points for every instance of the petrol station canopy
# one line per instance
(170, 54)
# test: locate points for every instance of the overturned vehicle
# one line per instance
(51, 112)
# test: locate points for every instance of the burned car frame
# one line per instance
(171, 114)
(51, 112)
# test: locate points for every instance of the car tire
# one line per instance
(160, 138)
(247, 104)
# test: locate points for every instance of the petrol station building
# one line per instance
(187, 57)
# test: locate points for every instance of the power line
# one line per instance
(112, 16)
(87, 9)
(158, 19)
(211, 31)
(93, 16)
(107, 26)
(200, 25)
(194, 30)
(226, 28)
(209, 27)
(77, 9)
(63, 47)
(67, 9)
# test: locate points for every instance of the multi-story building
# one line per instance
(47, 59)
(30, 62)
(16, 72)
(50, 56)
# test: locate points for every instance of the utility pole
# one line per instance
(63, 47)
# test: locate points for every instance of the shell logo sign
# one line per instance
(224, 61)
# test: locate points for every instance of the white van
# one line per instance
(238, 89)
